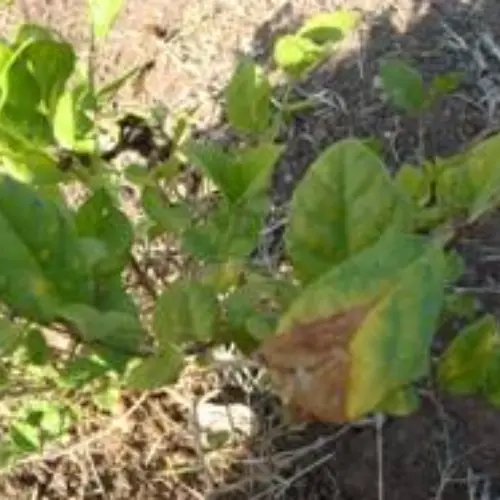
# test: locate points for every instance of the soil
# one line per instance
(450, 448)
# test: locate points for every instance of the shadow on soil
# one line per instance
(449, 449)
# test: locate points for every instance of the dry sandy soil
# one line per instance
(450, 449)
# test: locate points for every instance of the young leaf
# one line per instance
(471, 364)
(248, 98)
(25, 436)
(156, 372)
(404, 85)
(240, 173)
(445, 84)
(185, 311)
(297, 56)
(329, 27)
(415, 183)
(103, 14)
(171, 218)
(345, 202)
(98, 218)
(41, 260)
(81, 371)
(391, 306)
(51, 63)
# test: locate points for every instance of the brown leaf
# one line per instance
(310, 364)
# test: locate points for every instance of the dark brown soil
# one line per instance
(448, 450)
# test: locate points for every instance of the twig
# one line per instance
(143, 278)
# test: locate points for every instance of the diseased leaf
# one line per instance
(185, 311)
(329, 27)
(248, 98)
(404, 85)
(41, 260)
(297, 56)
(344, 204)
(372, 319)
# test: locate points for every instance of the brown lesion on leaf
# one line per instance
(310, 364)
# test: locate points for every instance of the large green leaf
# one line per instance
(329, 27)
(51, 62)
(248, 98)
(185, 311)
(41, 261)
(297, 56)
(115, 329)
(103, 14)
(240, 173)
(404, 85)
(98, 218)
(400, 281)
(471, 364)
(346, 201)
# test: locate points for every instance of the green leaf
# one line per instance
(185, 311)
(11, 337)
(30, 32)
(171, 217)
(402, 297)
(81, 371)
(345, 202)
(103, 14)
(415, 183)
(156, 372)
(41, 261)
(470, 183)
(25, 436)
(404, 85)
(445, 84)
(230, 232)
(37, 348)
(51, 62)
(241, 173)
(110, 295)
(110, 328)
(71, 122)
(98, 218)
(297, 56)
(329, 27)
(18, 87)
(248, 98)
(471, 364)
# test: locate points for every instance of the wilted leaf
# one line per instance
(404, 85)
(100, 219)
(185, 311)
(344, 204)
(362, 331)
(248, 98)
(103, 14)
(41, 261)
(297, 56)
(329, 27)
